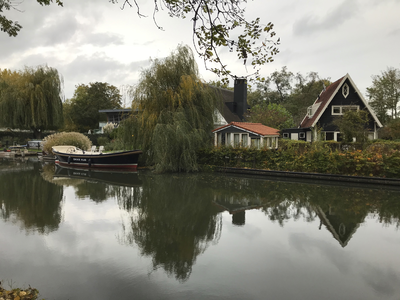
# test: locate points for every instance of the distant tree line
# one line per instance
(281, 101)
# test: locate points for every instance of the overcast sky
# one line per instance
(94, 40)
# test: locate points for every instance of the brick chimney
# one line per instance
(240, 97)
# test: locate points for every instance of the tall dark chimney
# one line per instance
(240, 97)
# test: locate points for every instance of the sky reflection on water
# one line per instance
(79, 235)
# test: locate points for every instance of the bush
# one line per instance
(103, 141)
(379, 159)
(66, 138)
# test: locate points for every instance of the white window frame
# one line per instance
(285, 135)
(302, 135)
(309, 111)
(357, 107)
(345, 90)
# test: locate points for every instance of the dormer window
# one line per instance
(345, 90)
(309, 111)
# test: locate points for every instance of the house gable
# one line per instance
(342, 92)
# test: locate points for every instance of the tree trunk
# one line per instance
(37, 133)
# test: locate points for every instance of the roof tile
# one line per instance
(253, 127)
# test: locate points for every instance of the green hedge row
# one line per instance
(375, 159)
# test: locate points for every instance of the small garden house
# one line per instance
(244, 134)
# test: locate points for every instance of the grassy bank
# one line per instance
(379, 159)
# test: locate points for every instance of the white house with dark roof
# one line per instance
(242, 134)
(333, 101)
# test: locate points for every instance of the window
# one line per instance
(255, 143)
(329, 136)
(302, 135)
(309, 111)
(341, 109)
(244, 140)
(236, 139)
(219, 138)
(348, 108)
(345, 90)
(286, 135)
(336, 110)
(228, 138)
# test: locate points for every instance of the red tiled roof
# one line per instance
(323, 98)
(257, 128)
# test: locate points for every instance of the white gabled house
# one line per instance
(242, 134)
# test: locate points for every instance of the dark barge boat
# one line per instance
(74, 157)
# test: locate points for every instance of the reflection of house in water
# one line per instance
(236, 207)
(342, 225)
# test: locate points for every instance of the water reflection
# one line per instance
(97, 185)
(27, 198)
(175, 218)
(173, 222)
(341, 209)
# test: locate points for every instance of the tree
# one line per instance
(295, 92)
(384, 94)
(391, 131)
(275, 89)
(10, 27)
(221, 25)
(82, 111)
(175, 113)
(304, 93)
(272, 115)
(217, 25)
(31, 99)
(353, 124)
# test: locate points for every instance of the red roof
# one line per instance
(257, 128)
(323, 98)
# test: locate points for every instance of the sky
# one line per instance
(95, 40)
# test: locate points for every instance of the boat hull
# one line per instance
(116, 160)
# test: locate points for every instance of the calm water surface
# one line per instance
(89, 235)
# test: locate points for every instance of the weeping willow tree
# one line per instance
(175, 113)
(31, 99)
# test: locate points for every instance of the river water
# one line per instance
(75, 234)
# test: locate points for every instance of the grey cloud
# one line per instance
(103, 39)
(58, 31)
(98, 67)
(305, 244)
(384, 282)
(395, 32)
(311, 23)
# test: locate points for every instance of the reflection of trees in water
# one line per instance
(284, 200)
(173, 221)
(29, 198)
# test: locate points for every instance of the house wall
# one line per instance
(227, 137)
(326, 120)
(296, 134)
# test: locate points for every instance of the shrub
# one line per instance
(103, 141)
(66, 138)
(108, 128)
(379, 159)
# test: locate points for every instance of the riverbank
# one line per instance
(19, 294)
(377, 160)
(378, 181)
